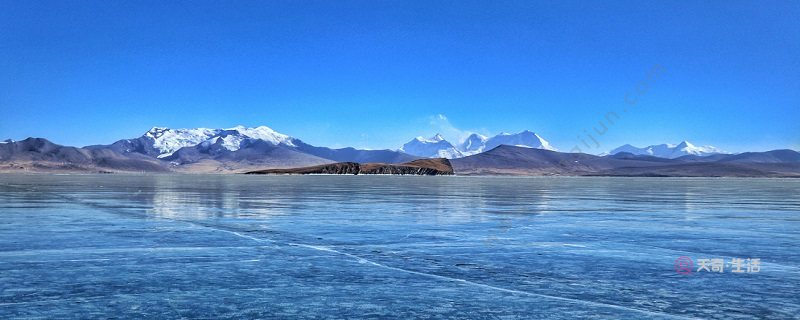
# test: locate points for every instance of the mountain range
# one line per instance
(438, 147)
(511, 160)
(239, 149)
(242, 149)
(670, 151)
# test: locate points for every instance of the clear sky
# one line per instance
(377, 73)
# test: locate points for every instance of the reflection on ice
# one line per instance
(171, 199)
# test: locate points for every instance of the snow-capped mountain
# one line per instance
(525, 139)
(434, 147)
(259, 145)
(669, 151)
(475, 143)
(438, 147)
(166, 141)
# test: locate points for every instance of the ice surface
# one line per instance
(192, 246)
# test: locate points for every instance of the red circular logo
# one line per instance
(684, 265)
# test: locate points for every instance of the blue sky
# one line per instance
(377, 73)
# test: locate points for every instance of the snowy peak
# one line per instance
(166, 141)
(669, 151)
(688, 148)
(526, 139)
(262, 133)
(474, 143)
(434, 147)
(436, 138)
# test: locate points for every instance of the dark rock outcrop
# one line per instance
(427, 167)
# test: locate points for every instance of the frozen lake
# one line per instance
(341, 247)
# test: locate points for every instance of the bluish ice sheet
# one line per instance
(343, 247)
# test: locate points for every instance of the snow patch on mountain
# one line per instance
(670, 151)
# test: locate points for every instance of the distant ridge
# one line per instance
(241, 149)
(41, 155)
(510, 160)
